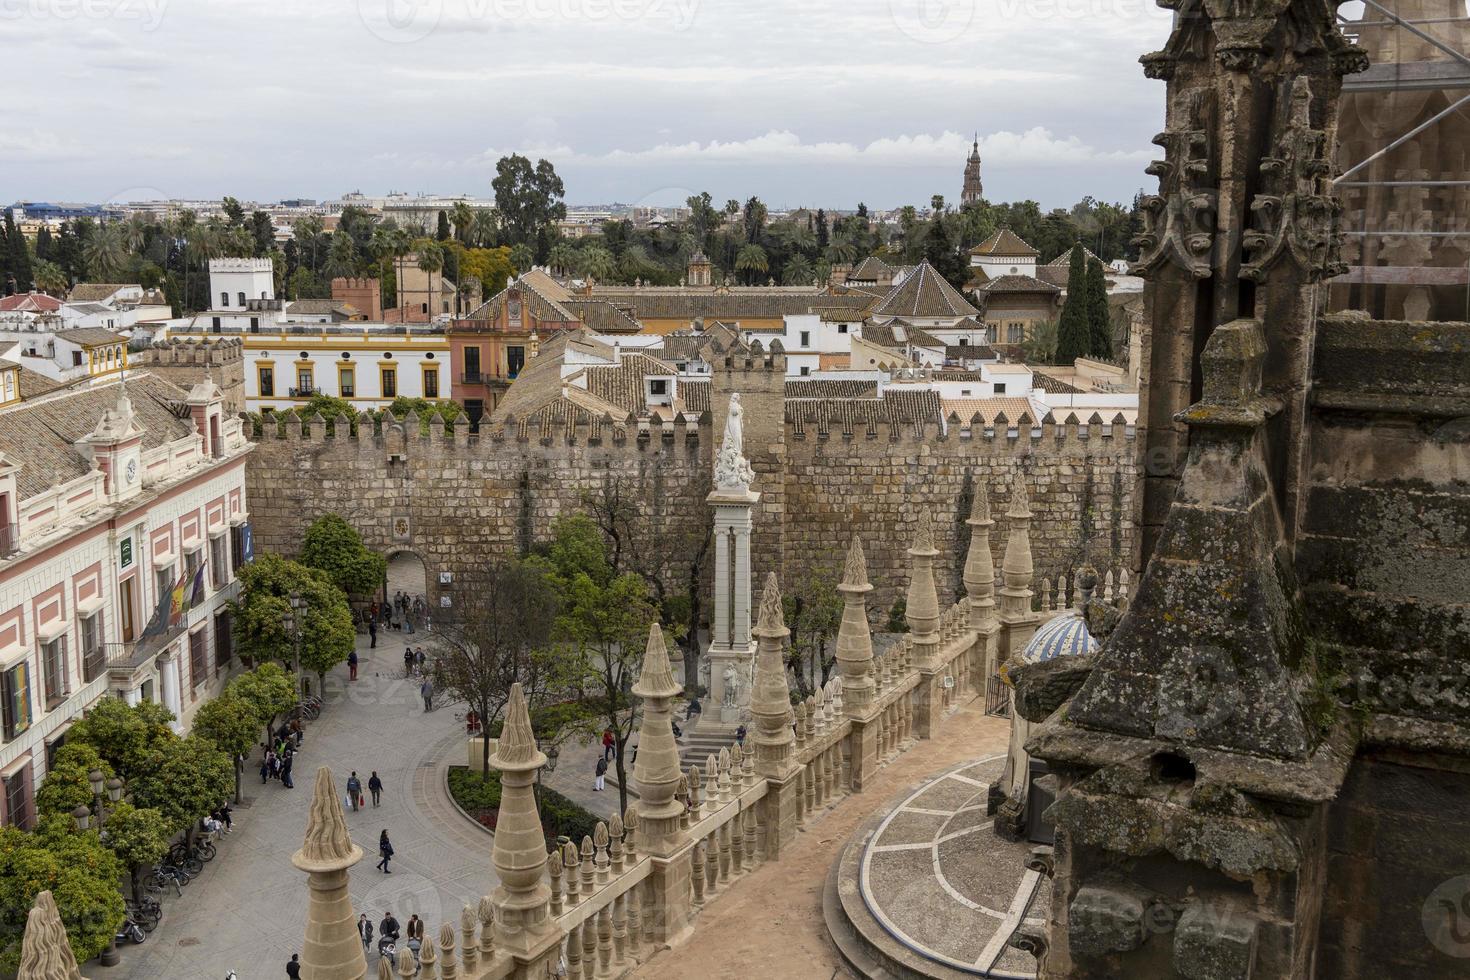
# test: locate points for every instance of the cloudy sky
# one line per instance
(802, 102)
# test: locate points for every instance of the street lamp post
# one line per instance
(293, 622)
(82, 817)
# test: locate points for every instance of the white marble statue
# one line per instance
(732, 469)
(732, 687)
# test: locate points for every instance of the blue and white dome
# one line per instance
(1064, 636)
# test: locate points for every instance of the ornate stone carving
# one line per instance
(1178, 222)
(732, 469)
(1298, 216)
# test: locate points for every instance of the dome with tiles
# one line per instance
(1065, 636)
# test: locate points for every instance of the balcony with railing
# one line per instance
(306, 391)
(472, 378)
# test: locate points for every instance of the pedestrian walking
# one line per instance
(286, 771)
(415, 927)
(352, 666)
(365, 930)
(740, 736)
(373, 633)
(419, 657)
(408, 661)
(293, 969)
(385, 851)
(608, 743)
(354, 790)
(427, 690)
(599, 783)
(375, 786)
(265, 769)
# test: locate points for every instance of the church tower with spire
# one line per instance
(973, 190)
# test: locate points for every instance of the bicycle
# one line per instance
(146, 916)
(160, 879)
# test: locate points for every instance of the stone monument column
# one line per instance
(332, 949)
(732, 650)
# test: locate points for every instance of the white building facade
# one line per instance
(100, 528)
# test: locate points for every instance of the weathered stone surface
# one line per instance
(1042, 688)
(1214, 942)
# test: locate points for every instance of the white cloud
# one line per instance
(1035, 147)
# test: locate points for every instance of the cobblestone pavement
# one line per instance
(785, 898)
(247, 911)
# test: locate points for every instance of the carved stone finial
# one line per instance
(45, 952)
(855, 574)
(656, 678)
(516, 749)
(328, 845)
(772, 619)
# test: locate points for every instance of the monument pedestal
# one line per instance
(731, 653)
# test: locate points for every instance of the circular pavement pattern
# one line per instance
(938, 880)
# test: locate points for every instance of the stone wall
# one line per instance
(458, 499)
(185, 364)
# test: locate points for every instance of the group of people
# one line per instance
(280, 754)
(389, 932)
(355, 799)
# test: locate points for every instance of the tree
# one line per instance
(341, 255)
(603, 625)
(1040, 345)
(637, 543)
(1099, 314)
(268, 690)
(334, 546)
(754, 218)
(463, 217)
(799, 272)
(813, 614)
(504, 626)
(50, 278)
(186, 780)
(80, 873)
(18, 256)
(106, 253)
(234, 211)
(752, 261)
(138, 837)
(124, 736)
(1073, 331)
(231, 722)
(527, 198)
(703, 218)
(68, 782)
(484, 227)
(324, 634)
(522, 257)
(263, 231)
(596, 262)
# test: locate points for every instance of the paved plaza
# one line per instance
(247, 911)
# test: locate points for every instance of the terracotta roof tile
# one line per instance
(925, 293)
(1004, 242)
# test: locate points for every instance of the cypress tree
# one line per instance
(18, 255)
(1073, 333)
(442, 232)
(1099, 318)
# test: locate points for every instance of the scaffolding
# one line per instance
(1404, 144)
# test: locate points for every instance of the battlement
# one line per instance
(206, 353)
(241, 265)
(354, 282)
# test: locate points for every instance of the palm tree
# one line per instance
(462, 216)
(799, 237)
(561, 258)
(841, 250)
(751, 260)
(50, 277)
(522, 258)
(634, 262)
(484, 227)
(798, 272)
(135, 232)
(341, 255)
(596, 262)
(106, 253)
(430, 261)
(308, 233)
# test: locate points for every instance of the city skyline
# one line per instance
(821, 106)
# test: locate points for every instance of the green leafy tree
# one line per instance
(137, 836)
(603, 628)
(522, 257)
(813, 613)
(596, 262)
(1040, 345)
(528, 198)
(51, 278)
(1073, 337)
(68, 782)
(268, 690)
(752, 262)
(324, 635)
(81, 874)
(185, 781)
(333, 546)
(1099, 314)
(231, 722)
(125, 736)
(263, 233)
